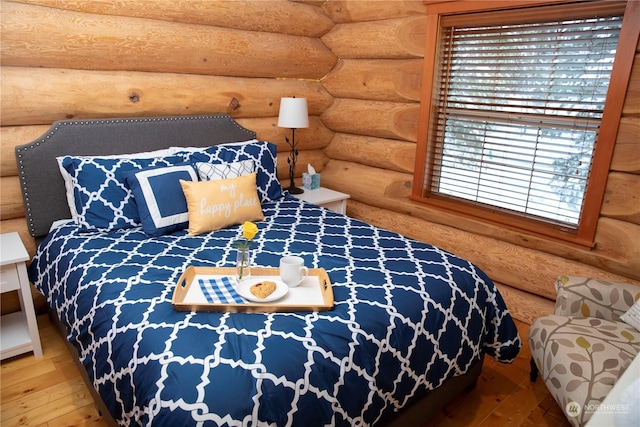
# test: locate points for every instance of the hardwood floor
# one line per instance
(49, 392)
(504, 396)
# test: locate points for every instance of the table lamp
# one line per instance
(293, 115)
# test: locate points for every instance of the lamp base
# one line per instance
(294, 190)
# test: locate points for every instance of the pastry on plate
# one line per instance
(263, 289)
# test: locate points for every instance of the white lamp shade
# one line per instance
(293, 113)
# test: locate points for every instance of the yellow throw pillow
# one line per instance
(213, 205)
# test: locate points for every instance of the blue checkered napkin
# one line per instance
(220, 290)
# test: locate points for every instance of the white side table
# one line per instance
(19, 330)
(330, 199)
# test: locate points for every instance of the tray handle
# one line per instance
(182, 281)
(182, 285)
(325, 287)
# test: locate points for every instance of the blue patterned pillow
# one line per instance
(161, 203)
(68, 182)
(103, 201)
(263, 153)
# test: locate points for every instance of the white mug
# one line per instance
(292, 270)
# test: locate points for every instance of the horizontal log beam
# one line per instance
(9, 302)
(365, 183)
(617, 247)
(35, 36)
(19, 225)
(373, 118)
(632, 101)
(316, 158)
(317, 136)
(626, 154)
(341, 11)
(523, 305)
(10, 136)
(81, 94)
(400, 38)
(395, 80)
(622, 197)
(11, 205)
(381, 153)
(275, 16)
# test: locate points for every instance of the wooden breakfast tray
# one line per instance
(313, 294)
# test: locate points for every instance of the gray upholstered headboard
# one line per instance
(43, 189)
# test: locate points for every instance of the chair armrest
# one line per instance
(585, 297)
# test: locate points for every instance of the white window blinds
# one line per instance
(518, 111)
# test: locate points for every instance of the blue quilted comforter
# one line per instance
(407, 317)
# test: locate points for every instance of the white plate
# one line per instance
(243, 289)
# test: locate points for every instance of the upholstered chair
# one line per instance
(583, 348)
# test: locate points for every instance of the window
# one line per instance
(516, 106)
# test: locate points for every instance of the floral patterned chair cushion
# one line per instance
(583, 348)
(584, 297)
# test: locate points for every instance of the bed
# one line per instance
(408, 331)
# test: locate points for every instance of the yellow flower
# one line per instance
(249, 230)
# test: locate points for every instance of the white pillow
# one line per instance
(68, 183)
(632, 316)
(192, 149)
(59, 223)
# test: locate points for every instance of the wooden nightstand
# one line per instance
(19, 330)
(330, 199)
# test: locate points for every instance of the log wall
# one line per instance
(359, 64)
(372, 156)
(76, 59)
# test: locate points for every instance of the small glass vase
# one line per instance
(243, 264)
